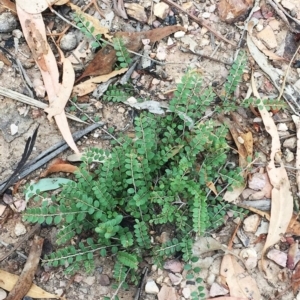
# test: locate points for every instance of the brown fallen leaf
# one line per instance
(59, 165)
(104, 60)
(212, 187)
(8, 281)
(101, 64)
(89, 85)
(35, 34)
(9, 5)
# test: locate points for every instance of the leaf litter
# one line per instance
(277, 175)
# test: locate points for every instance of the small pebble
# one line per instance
(68, 42)
(186, 292)
(151, 287)
(206, 15)
(2, 294)
(17, 33)
(290, 143)
(20, 229)
(13, 129)
(282, 127)
(179, 34)
(289, 156)
(121, 110)
(240, 140)
(8, 22)
(259, 27)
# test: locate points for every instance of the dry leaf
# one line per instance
(38, 6)
(94, 22)
(57, 106)
(231, 196)
(101, 64)
(89, 85)
(282, 200)
(240, 283)
(9, 5)
(59, 165)
(35, 34)
(227, 298)
(212, 187)
(8, 281)
(252, 23)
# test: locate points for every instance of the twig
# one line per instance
(52, 152)
(296, 120)
(141, 284)
(94, 121)
(30, 101)
(286, 74)
(184, 50)
(120, 285)
(200, 22)
(24, 282)
(26, 237)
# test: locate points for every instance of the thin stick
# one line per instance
(286, 74)
(25, 280)
(200, 22)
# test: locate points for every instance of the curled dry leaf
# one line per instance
(89, 85)
(59, 165)
(282, 200)
(296, 278)
(101, 64)
(35, 34)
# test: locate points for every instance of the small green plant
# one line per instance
(116, 94)
(123, 56)
(159, 178)
(192, 275)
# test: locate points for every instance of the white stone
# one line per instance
(151, 287)
(263, 228)
(179, 34)
(211, 278)
(289, 156)
(161, 10)
(13, 129)
(240, 140)
(257, 120)
(20, 229)
(3, 294)
(259, 27)
(170, 41)
(186, 292)
(282, 127)
(251, 223)
(206, 15)
(217, 290)
(290, 143)
(17, 33)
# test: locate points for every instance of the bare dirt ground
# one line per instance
(279, 40)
